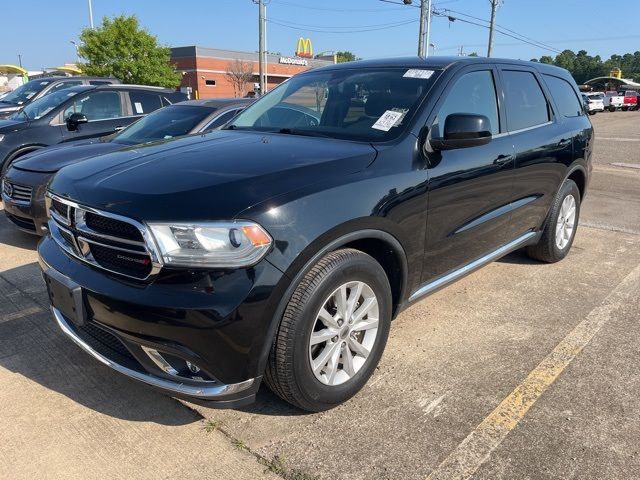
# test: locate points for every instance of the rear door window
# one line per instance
(564, 95)
(144, 102)
(96, 106)
(526, 104)
(475, 93)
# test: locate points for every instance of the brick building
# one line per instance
(204, 69)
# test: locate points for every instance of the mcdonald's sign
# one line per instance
(304, 48)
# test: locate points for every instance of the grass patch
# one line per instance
(239, 444)
(211, 425)
(278, 465)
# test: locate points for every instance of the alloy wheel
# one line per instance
(566, 222)
(344, 333)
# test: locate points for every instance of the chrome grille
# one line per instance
(19, 194)
(105, 240)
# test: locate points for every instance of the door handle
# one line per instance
(118, 128)
(502, 159)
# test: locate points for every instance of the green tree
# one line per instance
(345, 56)
(120, 48)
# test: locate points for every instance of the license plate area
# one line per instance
(66, 296)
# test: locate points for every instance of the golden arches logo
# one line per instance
(304, 49)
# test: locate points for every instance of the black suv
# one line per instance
(77, 113)
(281, 247)
(38, 88)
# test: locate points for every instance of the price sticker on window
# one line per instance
(388, 119)
(418, 73)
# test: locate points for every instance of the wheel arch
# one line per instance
(578, 174)
(18, 152)
(384, 247)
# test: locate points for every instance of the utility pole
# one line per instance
(261, 45)
(20, 60)
(494, 7)
(425, 21)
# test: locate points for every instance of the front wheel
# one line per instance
(333, 332)
(560, 227)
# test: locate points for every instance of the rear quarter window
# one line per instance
(144, 102)
(526, 104)
(564, 96)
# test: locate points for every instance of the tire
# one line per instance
(592, 113)
(289, 372)
(612, 109)
(556, 239)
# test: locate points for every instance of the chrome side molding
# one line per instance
(450, 277)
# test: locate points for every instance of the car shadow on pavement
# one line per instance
(269, 404)
(33, 347)
(14, 237)
(519, 257)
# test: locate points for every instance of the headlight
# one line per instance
(211, 244)
(1, 137)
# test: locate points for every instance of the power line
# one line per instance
(298, 27)
(497, 25)
(289, 4)
(390, 24)
(535, 44)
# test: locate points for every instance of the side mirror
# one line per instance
(76, 119)
(463, 130)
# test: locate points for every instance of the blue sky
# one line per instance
(41, 30)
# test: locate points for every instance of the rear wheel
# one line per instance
(332, 333)
(560, 227)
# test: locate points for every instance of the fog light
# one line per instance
(192, 368)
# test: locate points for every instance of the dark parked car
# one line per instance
(38, 88)
(77, 113)
(25, 181)
(281, 251)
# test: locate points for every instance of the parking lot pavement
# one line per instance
(63, 415)
(521, 370)
(613, 201)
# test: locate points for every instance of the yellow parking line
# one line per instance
(477, 447)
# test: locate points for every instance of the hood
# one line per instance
(52, 159)
(207, 177)
(8, 126)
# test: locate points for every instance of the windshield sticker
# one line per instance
(418, 73)
(388, 119)
(138, 106)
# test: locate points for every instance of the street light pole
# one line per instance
(20, 60)
(90, 15)
(77, 50)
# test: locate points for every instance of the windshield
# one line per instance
(25, 92)
(165, 123)
(372, 104)
(39, 108)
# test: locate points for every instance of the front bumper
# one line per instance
(28, 216)
(218, 321)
